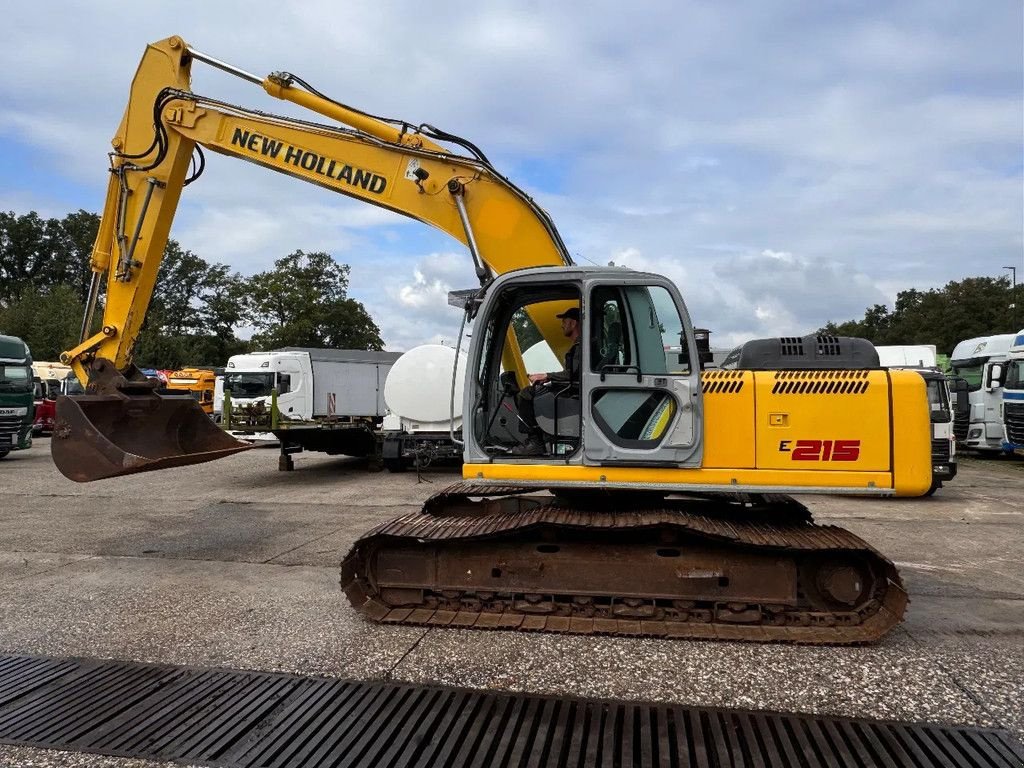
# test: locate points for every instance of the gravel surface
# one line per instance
(235, 564)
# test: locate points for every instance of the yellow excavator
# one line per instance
(652, 498)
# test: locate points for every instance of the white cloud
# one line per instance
(784, 164)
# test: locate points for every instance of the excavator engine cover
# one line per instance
(99, 436)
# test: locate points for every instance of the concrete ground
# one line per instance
(235, 564)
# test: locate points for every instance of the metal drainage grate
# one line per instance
(227, 718)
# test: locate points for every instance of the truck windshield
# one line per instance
(971, 371)
(73, 387)
(1015, 375)
(249, 384)
(938, 400)
(15, 378)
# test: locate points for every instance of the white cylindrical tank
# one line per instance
(419, 386)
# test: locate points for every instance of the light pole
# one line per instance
(1013, 297)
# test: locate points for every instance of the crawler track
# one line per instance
(727, 566)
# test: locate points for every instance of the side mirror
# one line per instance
(995, 376)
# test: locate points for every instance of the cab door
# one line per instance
(642, 403)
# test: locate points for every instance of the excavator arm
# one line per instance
(157, 152)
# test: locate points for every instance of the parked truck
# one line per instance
(328, 400)
(923, 358)
(1013, 396)
(197, 382)
(50, 383)
(981, 362)
(17, 395)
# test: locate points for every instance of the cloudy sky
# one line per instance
(785, 163)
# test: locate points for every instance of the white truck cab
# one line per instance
(981, 362)
(312, 385)
(249, 379)
(1013, 396)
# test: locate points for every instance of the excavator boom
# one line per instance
(123, 426)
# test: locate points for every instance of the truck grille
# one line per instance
(961, 425)
(940, 451)
(10, 424)
(1013, 413)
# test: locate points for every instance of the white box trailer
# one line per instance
(346, 382)
(311, 383)
(315, 388)
(908, 356)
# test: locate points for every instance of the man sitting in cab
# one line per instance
(539, 382)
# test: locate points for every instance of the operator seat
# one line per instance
(558, 410)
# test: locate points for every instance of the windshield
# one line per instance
(73, 387)
(15, 378)
(1015, 375)
(938, 400)
(971, 374)
(249, 384)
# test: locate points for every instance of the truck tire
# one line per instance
(391, 455)
(395, 465)
(4, 453)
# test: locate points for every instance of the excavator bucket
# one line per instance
(99, 436)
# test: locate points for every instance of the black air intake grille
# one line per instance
(722, 382)
(820, 383)
(791, 345)
(828, 346)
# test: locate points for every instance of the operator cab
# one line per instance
(627, 404)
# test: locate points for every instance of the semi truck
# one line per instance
(1013, 396)
(981, 362)
(328, 400)
(17, 395)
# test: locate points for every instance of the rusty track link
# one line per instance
(431, 568)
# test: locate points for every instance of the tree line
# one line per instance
(962, 309)
(197, 306)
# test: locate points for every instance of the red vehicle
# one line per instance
(46, 405)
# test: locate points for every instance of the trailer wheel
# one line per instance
(391, 455)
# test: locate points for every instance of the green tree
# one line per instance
(193, 313)
(43, 253)
(303, 302)
(49, 321)
(962, 309)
